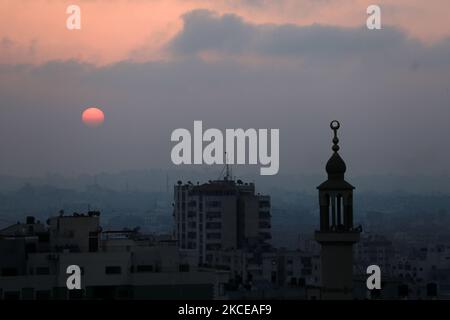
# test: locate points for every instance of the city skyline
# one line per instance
(220, 248)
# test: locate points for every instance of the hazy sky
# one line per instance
(154, 66)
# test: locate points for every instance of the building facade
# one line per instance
(114, 264)
(219, 215)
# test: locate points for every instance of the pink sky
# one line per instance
(34, 31)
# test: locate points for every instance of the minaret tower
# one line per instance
(337, 234)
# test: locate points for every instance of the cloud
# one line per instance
(391, 94)
(230, 35)
(150, 24)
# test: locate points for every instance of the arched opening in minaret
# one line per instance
(329, 217)
(336, 211)
(349, 212)
(326, 222)
(336, 218)
(340, 210)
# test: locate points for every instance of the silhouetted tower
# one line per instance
(337, 234)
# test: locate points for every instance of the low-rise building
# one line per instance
(114, 264)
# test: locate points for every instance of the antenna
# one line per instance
(228, 171)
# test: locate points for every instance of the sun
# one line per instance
(93, 117)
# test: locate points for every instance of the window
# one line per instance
(274, 276)
(302, 282)
(213, 247)
(264, 224)
(213, 215)
(113, 270)
(93, 242)
(192, 214)
(192, 235)
(42, 271)
(43, 295)
(192, 203)
(184, 268)
(213, 236)
(9, 272)
(264, 214)
(192, 224)
(144, 268)
(11, 295)
(30, 248)
(306, 272)
(264, 204)
(191, 245)
(214, 204)
(213, 225)
(306, 261)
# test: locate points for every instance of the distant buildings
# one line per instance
(418, 272)
(374, 249)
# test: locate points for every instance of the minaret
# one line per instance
(337, 234)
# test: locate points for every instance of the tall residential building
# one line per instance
(219, 215)
(337, 234)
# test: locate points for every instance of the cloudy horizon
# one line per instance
(389, 88)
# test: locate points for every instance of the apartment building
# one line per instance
(219, 215)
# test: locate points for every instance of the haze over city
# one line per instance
(294, 65)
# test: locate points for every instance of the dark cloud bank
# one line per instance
(390, 92)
